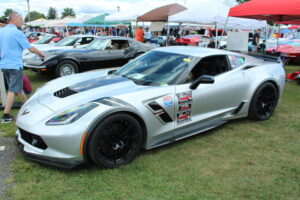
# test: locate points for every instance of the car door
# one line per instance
(94, 58)
(208, 104)
(120, 52)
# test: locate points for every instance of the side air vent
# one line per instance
(238, 109)
(155, 106)
(65, 92)
(160, 112)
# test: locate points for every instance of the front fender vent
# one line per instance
(160, 111)
(65, 92)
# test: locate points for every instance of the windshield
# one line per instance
(99, 44)
(44, 40)
(69, 41)
(156, 68)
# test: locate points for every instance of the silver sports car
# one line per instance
(165, 95)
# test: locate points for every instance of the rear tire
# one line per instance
(65, 68)
(116, 141)
(263, 102)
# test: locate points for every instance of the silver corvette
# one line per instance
(167, 94)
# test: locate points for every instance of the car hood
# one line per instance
(69, 51)
(79, 89)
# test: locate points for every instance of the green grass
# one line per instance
(239, 160)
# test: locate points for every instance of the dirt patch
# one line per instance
(8, 152)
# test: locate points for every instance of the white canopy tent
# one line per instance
(214, 13)
(38, 22)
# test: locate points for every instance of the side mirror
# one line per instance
(204, 79)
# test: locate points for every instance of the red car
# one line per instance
(191, 40)
(290, 50)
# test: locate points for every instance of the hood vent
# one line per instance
(65, 92)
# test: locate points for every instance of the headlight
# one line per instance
(71, 115)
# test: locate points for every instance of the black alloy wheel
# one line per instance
(263, 102)
(116, 141)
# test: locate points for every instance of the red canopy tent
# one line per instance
(273, 10)
(294, 27)
(285, 22)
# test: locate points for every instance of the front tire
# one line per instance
(263, 102)
(116, 141)
(65, 68)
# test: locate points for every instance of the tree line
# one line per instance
(52, 14)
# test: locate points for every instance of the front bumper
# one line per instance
(66, 164)
(39, 154)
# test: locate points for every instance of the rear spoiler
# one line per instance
(270, 58)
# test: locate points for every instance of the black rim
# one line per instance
(118, 142)
(266, 102)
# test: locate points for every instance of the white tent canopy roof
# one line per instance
(213, 13)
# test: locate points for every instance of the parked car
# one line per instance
(192, 40)
(289, 50)
(74, 41)
(160, 40)
(46, 40)
(160, 97)
(103, 52)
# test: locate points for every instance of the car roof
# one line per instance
(203, 52)
(192, 51)
(82, 35)
(114, 37)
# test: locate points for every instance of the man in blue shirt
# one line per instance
(12, 43)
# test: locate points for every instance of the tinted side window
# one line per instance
(119, 44)
(236, 61)
(212, 65)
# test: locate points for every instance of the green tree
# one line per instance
(68, 12)
(8, 11)
(241, 1)
(52, 14)
(34, 15)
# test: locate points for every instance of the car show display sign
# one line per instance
(237, 41)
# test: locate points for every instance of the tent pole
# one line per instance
(216, 40)
(2, 89)
(225, 26)
(278, 36)
(168, 32)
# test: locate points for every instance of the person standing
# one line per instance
(255, 41)
(12, 43)
(139, 35)
(147, 35)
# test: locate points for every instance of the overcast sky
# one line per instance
(87, 7)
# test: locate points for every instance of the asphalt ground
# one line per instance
(8, 153)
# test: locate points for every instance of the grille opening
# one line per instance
(65, 92)
(32, 139)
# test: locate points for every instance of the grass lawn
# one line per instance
(242, 159)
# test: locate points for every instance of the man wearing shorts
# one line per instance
(12, 44)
